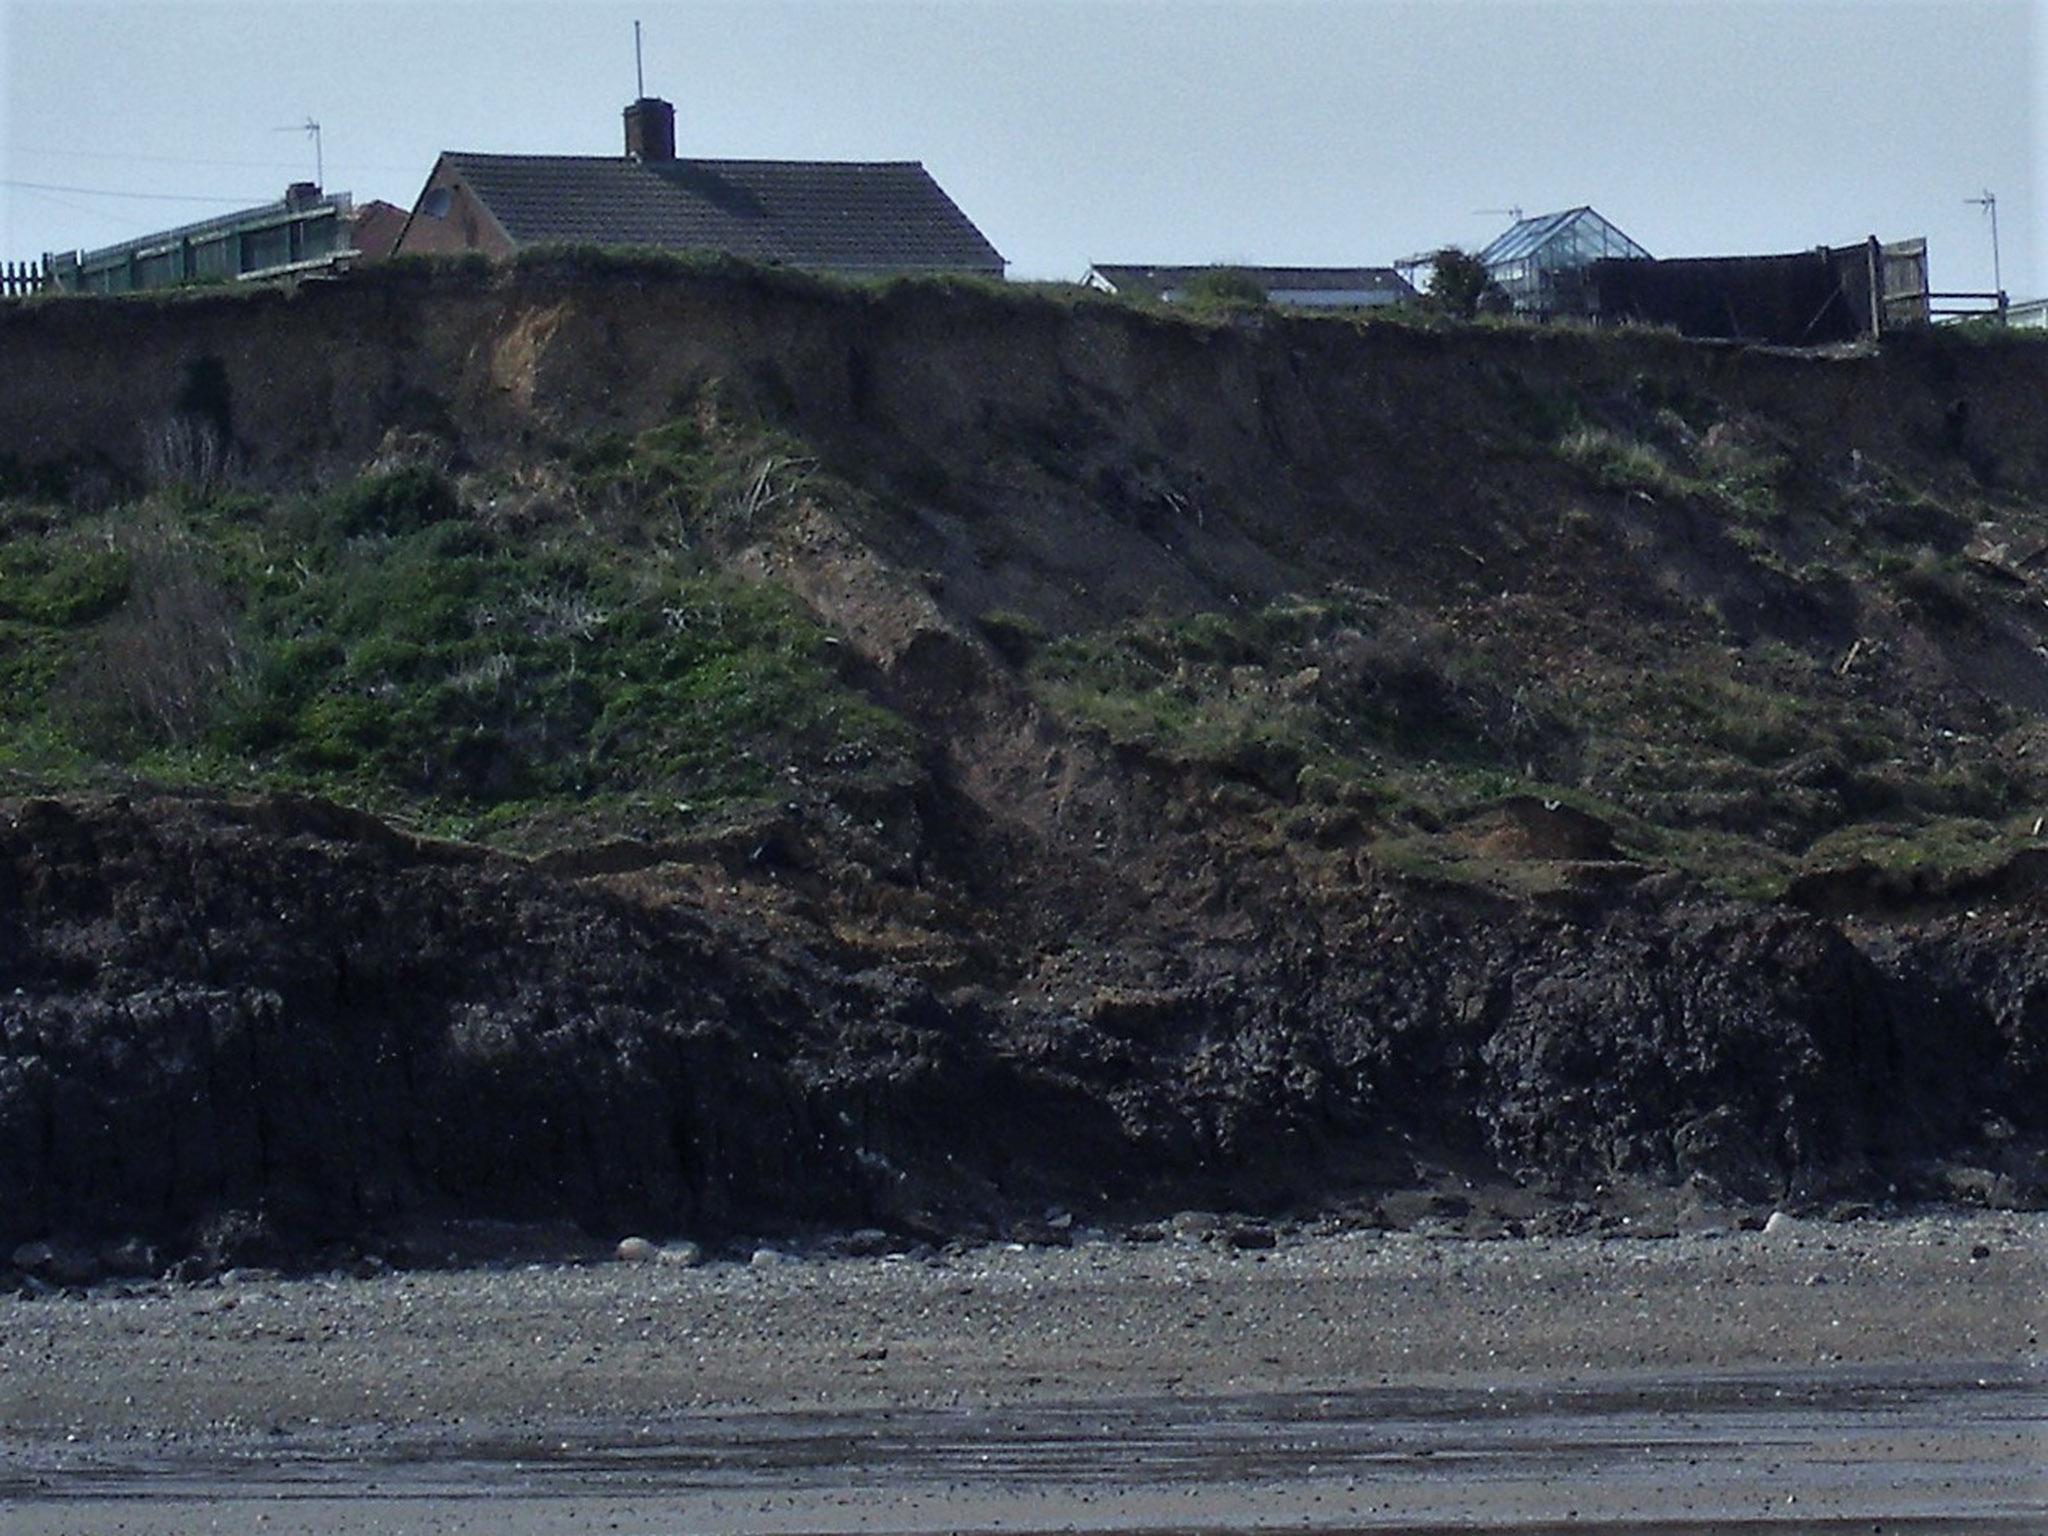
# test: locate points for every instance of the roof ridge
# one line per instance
(493, 154)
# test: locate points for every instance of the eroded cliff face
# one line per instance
(1344, 760)
(299, 1029)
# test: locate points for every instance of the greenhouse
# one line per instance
(1541, 263)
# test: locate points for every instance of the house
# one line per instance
(1540, 263)
(2031, 314)
(853, 218)
(375, 230)
(1288, 287)
(305, 231)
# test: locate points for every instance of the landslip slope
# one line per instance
(694, 749)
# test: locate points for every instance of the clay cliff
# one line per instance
(676, 747)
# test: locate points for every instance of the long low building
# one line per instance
(1290, 287)
(306, 230)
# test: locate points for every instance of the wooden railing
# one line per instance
(22, 277)
(1969, 306)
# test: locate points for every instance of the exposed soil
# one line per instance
(1060, 973)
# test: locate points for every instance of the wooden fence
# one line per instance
(21, 277)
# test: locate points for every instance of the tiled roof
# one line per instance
(837, 216)
(1154, 281)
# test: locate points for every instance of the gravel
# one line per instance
(487, 1352)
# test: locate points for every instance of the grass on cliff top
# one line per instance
(391, 643)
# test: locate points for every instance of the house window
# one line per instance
(265, 248)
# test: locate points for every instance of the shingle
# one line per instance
(831, 215)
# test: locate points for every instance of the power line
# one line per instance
(90, 154)
(153, 197)
(125, 220)
(242, 165)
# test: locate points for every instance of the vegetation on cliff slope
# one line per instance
(1610, 580)
(474, 657)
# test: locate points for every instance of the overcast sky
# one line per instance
(1071, 131)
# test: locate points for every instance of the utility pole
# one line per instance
(1989, 203)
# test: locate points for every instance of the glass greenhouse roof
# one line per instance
(1576, 235)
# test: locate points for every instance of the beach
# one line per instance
(1344, 1379)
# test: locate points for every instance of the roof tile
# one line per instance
(830, 215)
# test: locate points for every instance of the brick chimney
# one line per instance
(650, 130)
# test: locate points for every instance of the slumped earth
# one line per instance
(1824, 1377)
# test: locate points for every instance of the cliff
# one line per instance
(691, 748)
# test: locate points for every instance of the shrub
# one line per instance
(1224, 288)
(191, 453)
(161, 666)
(1617, 463)
(399, 502)
(1460, 286)
(1935, 587)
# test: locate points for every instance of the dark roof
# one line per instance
(1154, 281)
(375, 229)
(838, 216)
(283, 211)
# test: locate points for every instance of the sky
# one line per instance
(1286, 132)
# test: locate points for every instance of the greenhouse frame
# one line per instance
(1541, 263)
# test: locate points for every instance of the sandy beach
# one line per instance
(1875, 1371)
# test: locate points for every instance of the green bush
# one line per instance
(1617, 463)
(399, 502)
(1461, 287)
(1224, 288)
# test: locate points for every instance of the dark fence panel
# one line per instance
(1804, 299)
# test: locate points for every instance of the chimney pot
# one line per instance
(651, 130)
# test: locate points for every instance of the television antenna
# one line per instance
(311, 130)
(1989, 203)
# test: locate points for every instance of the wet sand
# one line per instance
(1824, 1378)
